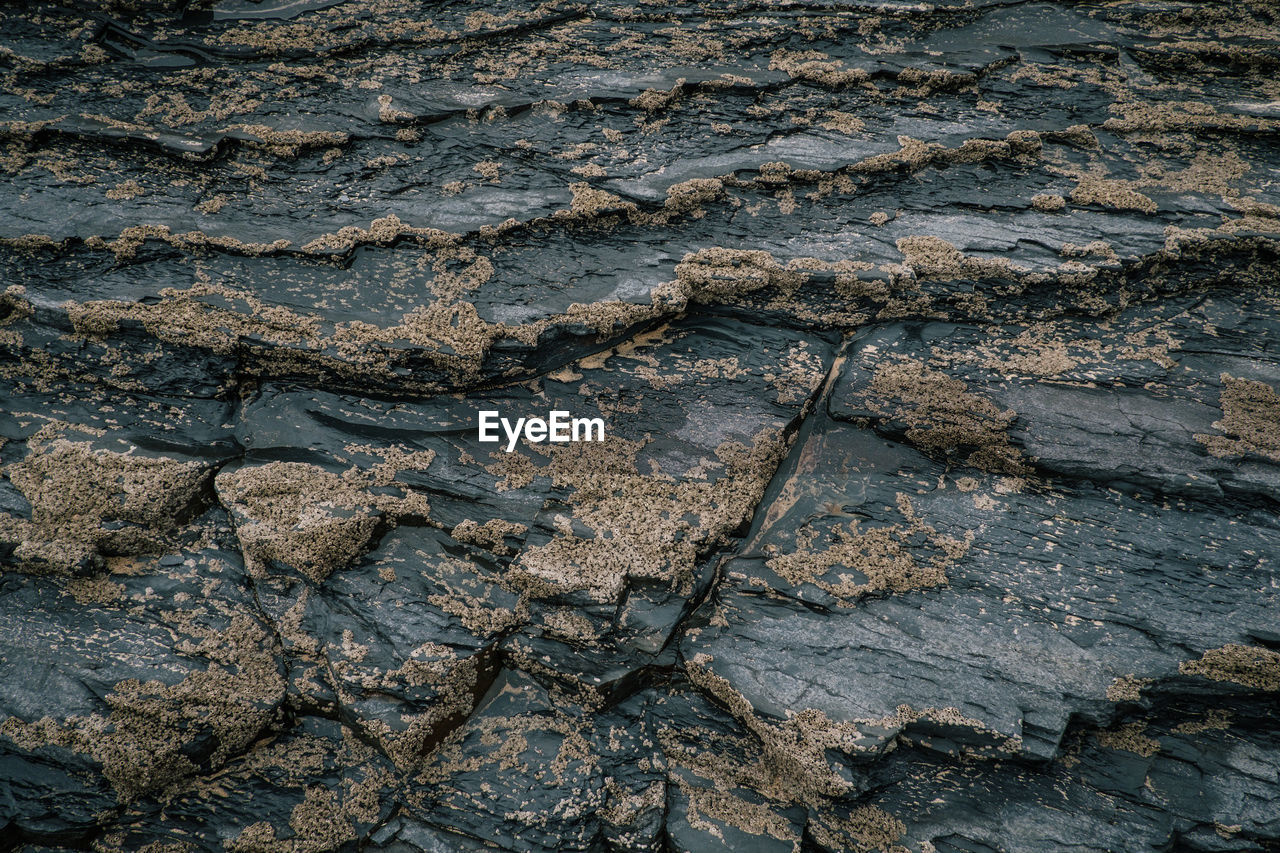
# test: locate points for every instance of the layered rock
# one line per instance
(935, 346)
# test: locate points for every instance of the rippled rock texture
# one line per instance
(939, 351)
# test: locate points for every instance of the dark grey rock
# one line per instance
(936, 345)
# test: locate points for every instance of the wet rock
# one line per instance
(316, 788)
(163, 674)
(934, 347)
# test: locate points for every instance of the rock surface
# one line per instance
(939, 351)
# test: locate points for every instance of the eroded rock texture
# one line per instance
(938, 349)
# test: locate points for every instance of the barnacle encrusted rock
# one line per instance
(942, 416)
(87, 503)
(307, 517)
(1250, 420)
(642, 526)
(154, 734)
(1251, 666)
(934, 345)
